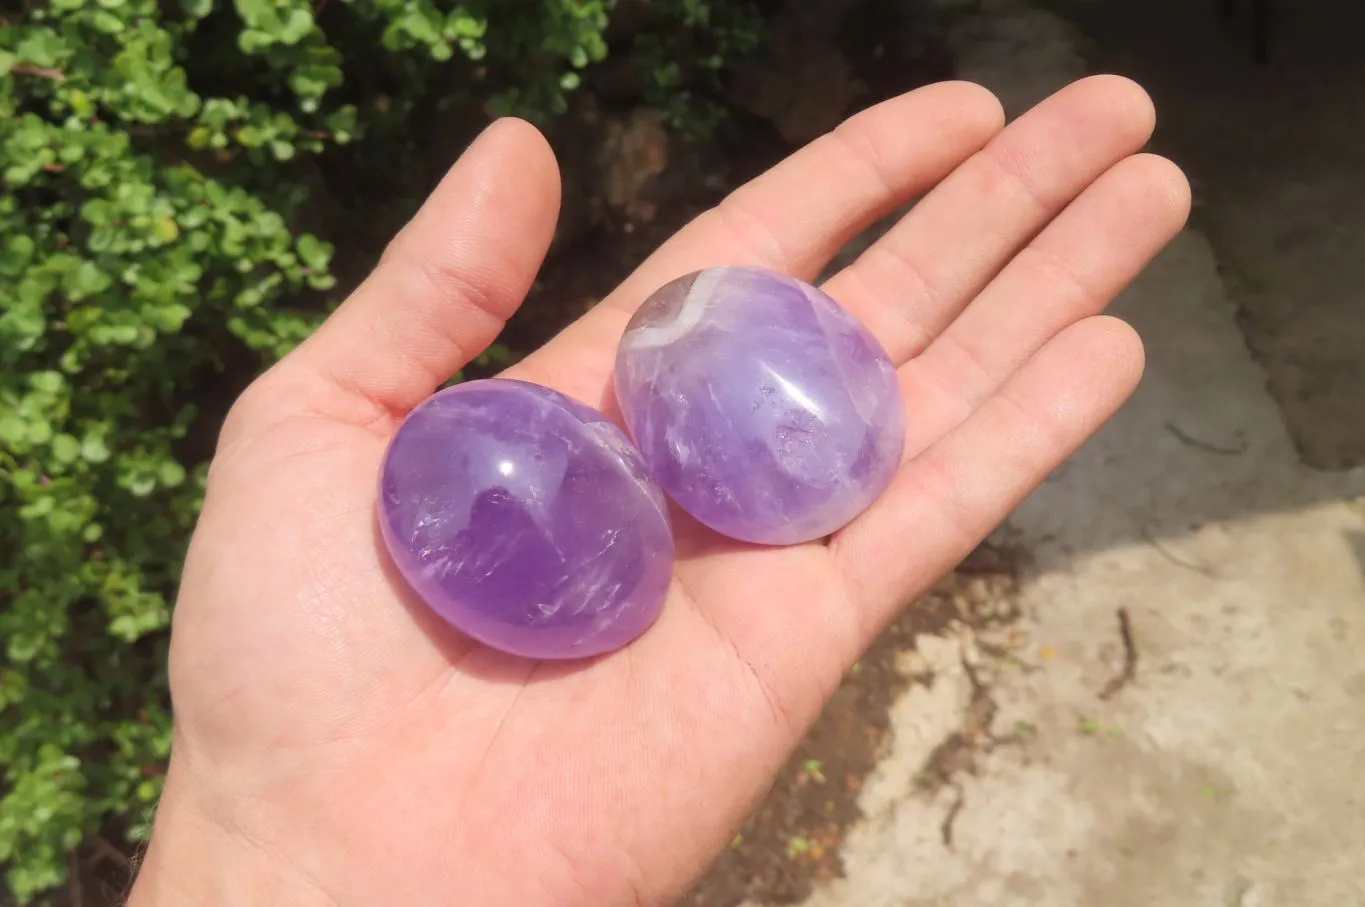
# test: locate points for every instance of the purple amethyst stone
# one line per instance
(526, 520)
(762, 407)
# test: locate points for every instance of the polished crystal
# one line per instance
(526, 520)
(763, 408)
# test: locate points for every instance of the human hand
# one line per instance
(337, 744)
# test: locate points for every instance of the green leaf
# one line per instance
(123, 334)
(342, 123)
(167, 230)
(315, 253)
(66, 448)
(253, 41)
(256, 11)
(39, 431)
(296, 25)
(48, 382)
(107, 22)
(94, 449)
(170, 473)
(17, 253)
(85, 280)
(171, 317)
(462, 25)
(141, 486)
(42, 47)
(13, 430)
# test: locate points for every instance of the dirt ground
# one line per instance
(793, 840)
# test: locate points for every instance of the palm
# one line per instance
(306, 677)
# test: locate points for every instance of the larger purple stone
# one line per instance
(761, 406)
(526, 520)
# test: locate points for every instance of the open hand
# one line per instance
(336, 744)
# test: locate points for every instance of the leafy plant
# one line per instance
(160, 163)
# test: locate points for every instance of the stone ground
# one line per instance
(1276, 154)
(1168, 705)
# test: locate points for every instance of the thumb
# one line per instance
(449, 281)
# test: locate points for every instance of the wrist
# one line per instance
(193, 858)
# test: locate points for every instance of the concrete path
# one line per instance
(1229, 770)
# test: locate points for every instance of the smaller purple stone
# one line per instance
(762, 407)
(526, 520)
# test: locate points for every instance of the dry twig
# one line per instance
(42, 72)
(1130, 657)
(1186, 438)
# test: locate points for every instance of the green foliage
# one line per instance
(676, 82)
(158, 164)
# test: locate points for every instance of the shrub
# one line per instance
(160, 164)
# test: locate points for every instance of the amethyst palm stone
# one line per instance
(526, 520)
(763, 408)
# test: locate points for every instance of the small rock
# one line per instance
(634, 152)
(971, 653)
(913, 665)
